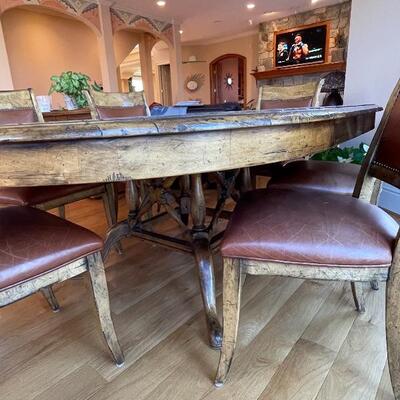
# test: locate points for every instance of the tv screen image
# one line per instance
(301, 46)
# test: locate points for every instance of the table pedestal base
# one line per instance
(200, 240)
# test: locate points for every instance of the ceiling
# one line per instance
(208, 20)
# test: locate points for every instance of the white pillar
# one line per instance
(106, 50)
(145, 45)
(6, 82)
(176, 65)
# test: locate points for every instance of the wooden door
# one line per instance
(228, 79)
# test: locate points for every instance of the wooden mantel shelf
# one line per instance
(300, 70)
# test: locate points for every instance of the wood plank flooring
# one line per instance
(297, 340)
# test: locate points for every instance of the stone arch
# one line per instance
(122, 20)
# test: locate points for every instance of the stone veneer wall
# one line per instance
(339, 17)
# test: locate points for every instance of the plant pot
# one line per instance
(70, 103)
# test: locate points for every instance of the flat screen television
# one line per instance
(303, 45)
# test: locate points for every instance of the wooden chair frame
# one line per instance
(310, 89)
(114, 99)
(93, 264)
(235, 271)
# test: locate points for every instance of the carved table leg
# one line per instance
(203, 256)
(185, 199)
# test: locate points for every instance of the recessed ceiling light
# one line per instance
(314, 1)
(181, 31)
(161, 3)
(250, 6)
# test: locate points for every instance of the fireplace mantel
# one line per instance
(300, 70)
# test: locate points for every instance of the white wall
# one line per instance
(373, 64)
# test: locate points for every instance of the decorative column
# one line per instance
(106, 49)
(145, 46)
(175, 55)
(6, 82)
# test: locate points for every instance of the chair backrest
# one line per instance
(305, 95)
(383, 159)
(19, 107)
(114, 105)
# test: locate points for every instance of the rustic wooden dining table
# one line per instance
(150, 148)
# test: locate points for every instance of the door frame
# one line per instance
(213, 84)
(162, 84)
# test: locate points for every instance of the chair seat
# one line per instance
(309, 228)
(23, 196)
(325, 176)
(33, 242)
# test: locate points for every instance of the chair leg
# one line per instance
(358, 296)
(231, 309)
(110, 205)
(110, 202)
(393, 325)
(61, 211)
(374, 285)
(101, 298)
(48, 294)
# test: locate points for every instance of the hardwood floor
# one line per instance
(297, 340)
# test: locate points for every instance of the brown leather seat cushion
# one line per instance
(33, 242)
(18, 116)
(22, 196)
(309, 227)
(325, 176)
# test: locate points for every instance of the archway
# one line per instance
(143, 64)
(54, 42)
(89, 14)
(228, 79)
(161, 67)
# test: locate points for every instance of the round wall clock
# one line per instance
(194, 82)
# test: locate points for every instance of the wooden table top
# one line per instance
(150, 147)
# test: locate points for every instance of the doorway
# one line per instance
(164, 72)
(228, 79)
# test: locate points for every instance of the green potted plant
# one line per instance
(71, 85)
(354, 155)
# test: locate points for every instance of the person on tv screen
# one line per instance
(299, 50)
(282, 52)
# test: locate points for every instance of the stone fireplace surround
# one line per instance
(339, 17)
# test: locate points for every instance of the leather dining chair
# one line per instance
(327, 176)
(275, 97)
(116, 105)
(319, 235)
(20, 107)
(304, 95)
(38, 249)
